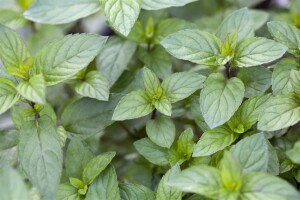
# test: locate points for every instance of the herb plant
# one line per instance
(174, 100)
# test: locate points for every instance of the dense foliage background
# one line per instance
(149, 99)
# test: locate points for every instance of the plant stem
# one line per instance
(153, 114)
(227, 70)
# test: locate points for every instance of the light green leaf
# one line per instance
(105, 186)
(259, 186)
(160, 4)
(10, 138)
(114, 58)
(197, 115)
(257, 51)
(89, 116)
(39, 141)
(62, 59)
(281, 112)
(239, 20)
(161, 131)
(78, 155)
(13, 50)
(152, 84)
(286, 34)
(153, 153)
(8, 94)
(157, 59)
(164, 191)
(95, 85)
(122, 14)
(251, 153)
(293, 154)
(12, 185)
(66, 191)
(133, 105)
(229, 44)
(34, 89)
(195, 46)
(130, 191)
(219, 99)
(273, 164)
(259, 17)
(12, 19)
(163, 105)
(257, 80)
(295, 80)
(214, 140)
(200, 179)
(181, 85)
(61, 12)
(95, 166)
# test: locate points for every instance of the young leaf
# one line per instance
(214, 140)
(152, 84)
(257, 51)
(39, 141)
(61, 12)
(95, 85)
(34, 89)
(95, 166)
(62, 59)
(219, 99)
(133, 105)
(8, 94)
(153, 153)
(194, 45)
(200, 179)
(286, 34)
(161, 131)
(267, 187)
(160, 4)
(229, 44)
(105, 186)
(66, 191)
(131, 191)
(163, 105)
(239, 20)
(164, 191)
(281, 112)
(181, 85)
(13, 50)
(122, 14)
(114, 58)
(251, 153)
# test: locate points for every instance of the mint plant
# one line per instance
(158, 101)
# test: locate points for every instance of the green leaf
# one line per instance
(200, 179)
(34, 89)
(78, 155)
(163, 105)
(153, 153)
(195, 46)
(293, 154)
(281, 76)
(219, 99)
(295, 81)
(239, 20)
(258, 186)
(157, 59)
(105, 186)
(197, 115)
(62, 59)
(247, 114)
(214, 140)
(133, 105)
(257, 80)
(161, 131)
(10, 138)
(12, 19)
(257, 51)
(61, 12)
(89, 116)
(251, 153)
(114, 58)
(122, 14)
(281, 112)
(286, 34)
(273, 164)
(95, 166)
(95, 85)
(152, 84)
(13, 50)
(160, 4)
(229, 44)
(259, 17)
(66, 191)
(164, 191)
(40, 155)
(12, 185)
(8, 94)
(130, 191)
(181, 85)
